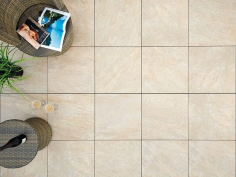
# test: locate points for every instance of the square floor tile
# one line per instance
(14, 106)
(165, 158)
(212, 117)
(4, 43)
(118, 23)
(165, 116)
(72, 72)
(71, 158)
(118, 117)
(212, 69)
(118, 70)
(212, 158)
(74, 119)
(165, 23)
(212, 22)
(36, 168)
(82, 14)
(35, 70)
(165, 70)
(118, 159)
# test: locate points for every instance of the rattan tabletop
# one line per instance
(21, 155)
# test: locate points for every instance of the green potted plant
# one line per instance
(10, 70)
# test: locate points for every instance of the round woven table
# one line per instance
(38, 134)
(25, 46)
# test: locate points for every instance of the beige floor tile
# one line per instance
(165, 158)
(82, 14)
(165, 70)
(118, 23)
(165, 116)
(212, 117)
(72, 72)
(35, 69)
(36, 168)
(212, 70)
(212, 22)
(74, 119)
(118, 117)
(118, 159)
(71, 159)
(212, 158)
(118, 70)
(165, 23)
(4, 43)
(14, 106)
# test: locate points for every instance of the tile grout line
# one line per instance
(160, 46)
(141, 89)
(119, 93)
(94, 97)
(235, 111)
(188, 87)
(47, 114)
(147, 140)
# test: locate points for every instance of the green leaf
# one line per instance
(8, 67)
(12, 87)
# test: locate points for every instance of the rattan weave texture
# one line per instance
(14, 12)
(21, 155)
(43, 131)
(39, 135)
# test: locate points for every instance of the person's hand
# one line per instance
(25, 27)
(33, 35)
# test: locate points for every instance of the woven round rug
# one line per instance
(23, 154)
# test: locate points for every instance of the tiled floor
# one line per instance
(147, 89)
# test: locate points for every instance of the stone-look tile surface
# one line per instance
(36, 168)
(165, 23)
(74, 119)
(165, 158)
(118, 70)
(14, 106)
(82, 14)
(71, 159)
(212, 69)
(118, 23)
(212, 117)
(36, 71)
(118, 158)
(212, 22)
(4, 43)
(72, 72)
(212, 158)
(165, 116)
(118, 117)
(165, 70)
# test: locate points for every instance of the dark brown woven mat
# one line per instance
(21, 155)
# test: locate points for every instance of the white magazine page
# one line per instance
(54, 21)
